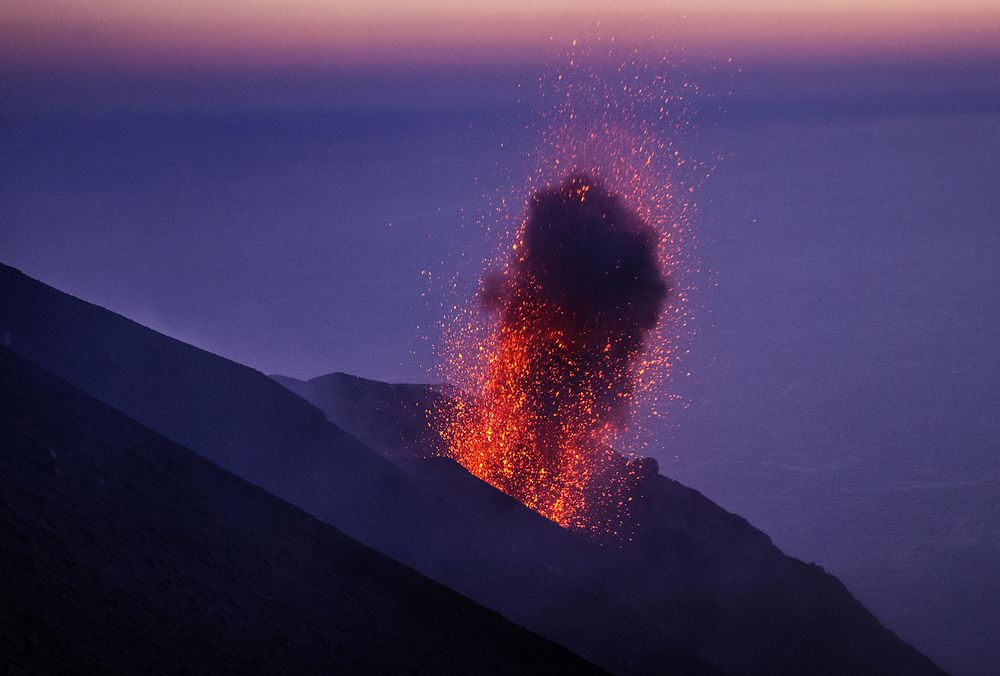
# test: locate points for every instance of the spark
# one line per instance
(540, 403)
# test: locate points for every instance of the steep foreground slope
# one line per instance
(699, 591)
(501, 554)
(126, 553)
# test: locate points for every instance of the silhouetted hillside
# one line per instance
(126, 553)
(392, 419)
(734, 598)
(698, 591)
(230, 414)
(493, 549)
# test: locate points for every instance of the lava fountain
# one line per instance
(577, 322)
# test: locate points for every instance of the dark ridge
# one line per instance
(700, 591)
(490, 549)
(395, 420)
(697, 573)
(126, 553)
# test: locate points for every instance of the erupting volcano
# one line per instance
(578, 318)
(581, 291)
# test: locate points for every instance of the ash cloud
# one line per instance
(587, 282)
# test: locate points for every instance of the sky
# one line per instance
(47, 33)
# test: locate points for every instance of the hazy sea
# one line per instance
(844, 388)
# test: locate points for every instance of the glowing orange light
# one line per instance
(531, 417)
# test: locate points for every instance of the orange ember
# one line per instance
(580, 318)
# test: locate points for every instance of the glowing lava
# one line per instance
(582, 289)
(579, 319)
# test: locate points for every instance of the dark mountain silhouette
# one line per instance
(739, 596)
(126, 553)
(503, 555)
(390, 418)
(699, 591)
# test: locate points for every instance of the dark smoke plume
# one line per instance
(587, 277)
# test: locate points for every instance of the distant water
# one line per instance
(845, 394)
(845, 382)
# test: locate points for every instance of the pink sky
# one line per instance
(45, 32)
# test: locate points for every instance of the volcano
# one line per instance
(126, 553)
(698, 590)
(553, 381)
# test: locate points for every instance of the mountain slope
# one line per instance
(733, 597)
(491, 549)
(230, 414)
(699, 591)
(392, 419)
(125, 553)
